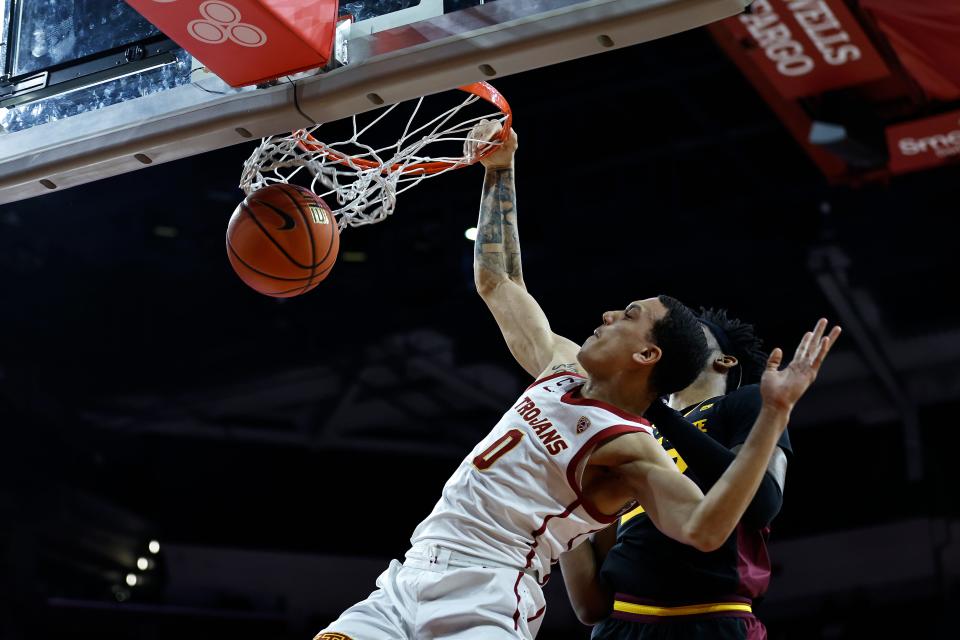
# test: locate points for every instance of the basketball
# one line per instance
(282, 240)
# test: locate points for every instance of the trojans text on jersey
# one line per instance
(541, 425)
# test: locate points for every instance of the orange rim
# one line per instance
(479, 89)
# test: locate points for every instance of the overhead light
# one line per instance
(353, 256)
(154, 546)
(836, 139)
(471, 234)
(165, 231)
(143, 564)
(131, 579)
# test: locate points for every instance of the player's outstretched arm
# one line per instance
(673, 502)
(497, 269)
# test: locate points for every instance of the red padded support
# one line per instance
(248, 41)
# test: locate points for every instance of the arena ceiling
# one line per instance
(136, 368)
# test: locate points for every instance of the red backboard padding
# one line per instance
(248, 41)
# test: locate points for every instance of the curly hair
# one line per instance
(684, 350)
(744, 345)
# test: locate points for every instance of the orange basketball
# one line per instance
(282, 240)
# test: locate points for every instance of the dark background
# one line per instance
(282, 451)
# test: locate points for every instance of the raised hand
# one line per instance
(781, 388)
(473, 146)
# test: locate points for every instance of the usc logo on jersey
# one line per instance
(583, 424)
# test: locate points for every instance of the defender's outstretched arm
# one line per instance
(589, 596)
(674, 503)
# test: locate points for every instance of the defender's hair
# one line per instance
(684, 348)
(744, 345)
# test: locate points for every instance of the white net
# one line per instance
(358, 177)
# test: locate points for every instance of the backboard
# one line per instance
(88, 89)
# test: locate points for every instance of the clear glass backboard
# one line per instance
(89, 89)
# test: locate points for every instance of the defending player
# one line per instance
(650, 586)
(566, 459)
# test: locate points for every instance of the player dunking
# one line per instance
(568, 457)
(650, 586)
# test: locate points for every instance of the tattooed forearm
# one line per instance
(497, 248)
(511, 235)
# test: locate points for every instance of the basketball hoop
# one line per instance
(366, 177)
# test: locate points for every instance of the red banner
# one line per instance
(926, 37)
(924, 143)
(807, 47)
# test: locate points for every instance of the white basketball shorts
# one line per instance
(429, 597)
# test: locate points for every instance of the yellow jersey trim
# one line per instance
(687, 610)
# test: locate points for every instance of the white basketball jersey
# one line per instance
(515, 500)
